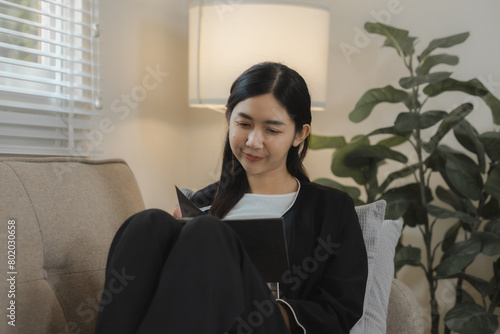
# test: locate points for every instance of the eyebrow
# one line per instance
(271, 122)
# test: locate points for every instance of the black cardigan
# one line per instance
(327, 258)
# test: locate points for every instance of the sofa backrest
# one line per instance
(59, 215)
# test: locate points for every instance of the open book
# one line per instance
(263, 239)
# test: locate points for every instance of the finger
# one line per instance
(177, 211)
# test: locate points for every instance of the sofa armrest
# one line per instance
(404, 314)
(66, 212)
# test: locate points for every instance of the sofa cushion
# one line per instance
(381, 237)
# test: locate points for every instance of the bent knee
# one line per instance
(152, 221)
(206, 226)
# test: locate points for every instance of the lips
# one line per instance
(252, 157)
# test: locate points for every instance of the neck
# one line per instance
(283, 184)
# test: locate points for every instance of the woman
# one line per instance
(198, 279)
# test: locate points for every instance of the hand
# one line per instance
(283, 310)
(177, 211)
(284, 313)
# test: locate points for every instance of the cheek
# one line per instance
(234, 139)
(279, 148)
(237, 134)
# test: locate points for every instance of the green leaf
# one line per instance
(408, 121)
(453, 118)
(484, 287)
(372, 189)
(466, 298)
(496, 270)
(390, 130)
(450, 237)
(449, 198)
(431, 61)
(458, 257)
(339, 167)
(443, 213)
(491, 243)
(467, 136)
(437, 162)
(472, 87)
(415, 214)
(496, 282)
(365, 154)
(353, 192)
(396, 38)
(373, 97)
(494, 103)
(493, 226)
(491, 142)
(320, 142)
(491, 100)
(491, 210)
(467, 180)
(492, 185)
(407, 255)
(470, 318)
(393, 141)
(399, 174)
(445, 42)
(410, 82)
(397, 204)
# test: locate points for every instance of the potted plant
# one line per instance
(465, 191)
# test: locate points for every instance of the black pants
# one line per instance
(162, 277)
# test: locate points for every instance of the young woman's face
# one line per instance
(260, 134)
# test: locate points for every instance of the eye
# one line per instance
(273, 131)
(243, 124)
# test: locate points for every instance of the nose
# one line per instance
(255, 140)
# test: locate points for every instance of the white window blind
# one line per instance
(49, 76)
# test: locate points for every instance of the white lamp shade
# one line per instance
(225, 40)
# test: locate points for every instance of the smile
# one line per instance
(252, 158)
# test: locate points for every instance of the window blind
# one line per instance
(49, 77)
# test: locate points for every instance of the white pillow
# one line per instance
(381, 237)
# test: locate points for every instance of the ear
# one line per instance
(302, 135)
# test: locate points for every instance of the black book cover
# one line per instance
(263, 239)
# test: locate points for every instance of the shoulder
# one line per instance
(332, 211)
(317, 190)
(329, 201)
(204, 197)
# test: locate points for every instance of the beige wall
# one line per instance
(168, 143)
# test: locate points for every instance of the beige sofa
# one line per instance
(59, 215)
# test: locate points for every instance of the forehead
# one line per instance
(262, 108)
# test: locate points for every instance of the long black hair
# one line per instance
(289, 89)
